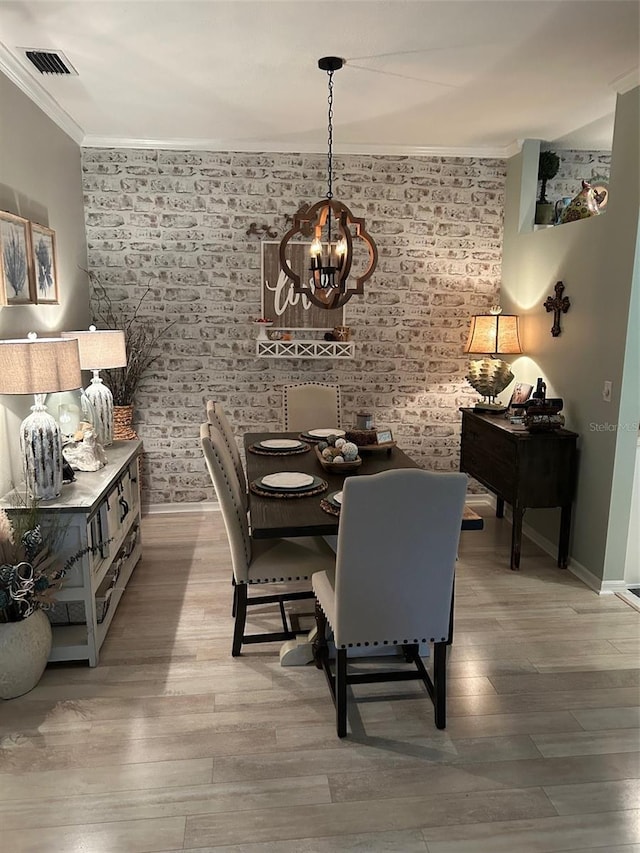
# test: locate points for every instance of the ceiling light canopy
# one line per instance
(338, 237)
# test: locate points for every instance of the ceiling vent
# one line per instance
(49, 61)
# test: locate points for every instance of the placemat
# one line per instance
(263, 493)
(261, 451)
(327, 507)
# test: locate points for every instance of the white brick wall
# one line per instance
(180, 219)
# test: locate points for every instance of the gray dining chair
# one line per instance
(217, 417)
(311, 405)
(392, 585)
(261, 561)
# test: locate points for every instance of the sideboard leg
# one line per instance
(563, 541)
(516, 536)
(499, 507)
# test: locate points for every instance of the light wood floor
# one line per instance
(170, 744)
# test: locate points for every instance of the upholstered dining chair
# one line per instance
(217, 417)
(392, 584)
(310, 405)
(263, 561)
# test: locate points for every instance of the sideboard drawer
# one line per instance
(488, 457)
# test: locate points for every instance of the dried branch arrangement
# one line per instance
(141, 336)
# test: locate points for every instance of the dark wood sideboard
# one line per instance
(522, 468)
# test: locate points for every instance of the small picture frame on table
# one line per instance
(16, 285)
(44, 264)
(521, 393)
(384, 436)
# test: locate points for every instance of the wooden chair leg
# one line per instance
(341, 692)
(440, 683)
(319, 646)
(234, 603)
(241, 618)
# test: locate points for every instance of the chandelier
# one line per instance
(336, 233)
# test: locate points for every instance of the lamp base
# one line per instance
(101, 399)
(42, 453)
(495, 408)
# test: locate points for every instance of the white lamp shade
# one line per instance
(493, 334)
(39, 366)
(100, 349)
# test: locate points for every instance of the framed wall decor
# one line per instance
(287, 309)
(44, 266)
(16, 285)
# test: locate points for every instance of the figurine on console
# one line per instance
(85, 453)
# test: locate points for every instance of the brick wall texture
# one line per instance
(178, 219)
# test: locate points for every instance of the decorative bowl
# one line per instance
(337, 467)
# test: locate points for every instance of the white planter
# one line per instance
(24, 650)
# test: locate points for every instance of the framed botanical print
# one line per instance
(15, 282)
(44, 264)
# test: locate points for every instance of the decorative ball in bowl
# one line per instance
(338, 455)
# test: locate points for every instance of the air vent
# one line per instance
(50, 61)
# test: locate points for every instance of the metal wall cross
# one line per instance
(558, 304)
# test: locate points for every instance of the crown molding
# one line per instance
(18, 74)
(626, 82)
(187, 144)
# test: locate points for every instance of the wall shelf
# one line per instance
(305, 349)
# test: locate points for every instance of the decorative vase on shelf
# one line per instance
(24, 650)
(263, 325)
(584, 205)
(123, 423)
(544, 213)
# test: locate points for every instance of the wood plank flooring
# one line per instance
(171, 745)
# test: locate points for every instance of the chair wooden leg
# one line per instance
(319, 646)
(234, 603)
(241, 617)
(440, 683)
(341, 692)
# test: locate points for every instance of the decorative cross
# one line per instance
(558, 304)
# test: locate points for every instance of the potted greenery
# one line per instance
(548, 166)
(30, 575)
(141, 336)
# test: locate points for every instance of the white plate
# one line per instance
(323, 433)
(280, 443)
(287, 480)
(338, 497)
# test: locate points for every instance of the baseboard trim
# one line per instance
(190, 506)
(577, 569)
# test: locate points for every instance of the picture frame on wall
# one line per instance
(286, 309)
(44, 264)
(16, 283)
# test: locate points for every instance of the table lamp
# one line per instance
(100, 350)
(492, 334)
(40, 366)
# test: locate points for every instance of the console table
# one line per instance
(100, 510)
(522, 468)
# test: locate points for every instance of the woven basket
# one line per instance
(122, 423)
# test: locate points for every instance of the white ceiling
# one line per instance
(466, 76)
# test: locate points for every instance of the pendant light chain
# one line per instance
(326, 283)
(330, 137)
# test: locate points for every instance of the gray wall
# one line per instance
(179, 219)
(40, 180)
(595, 260)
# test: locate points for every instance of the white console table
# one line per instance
(99, 511)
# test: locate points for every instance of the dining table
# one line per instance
(274, 516)
(304, 516)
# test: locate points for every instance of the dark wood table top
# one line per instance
(278, 517)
